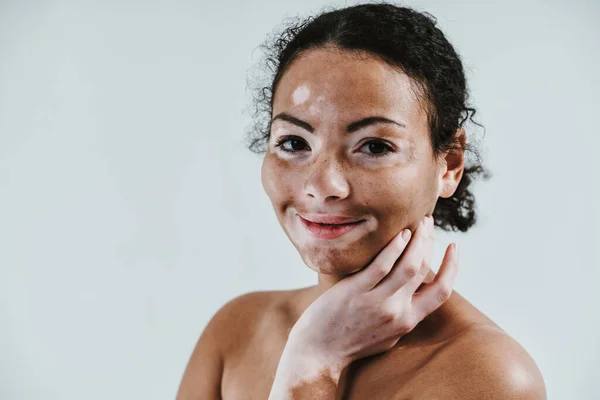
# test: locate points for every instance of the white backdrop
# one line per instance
(130, 210)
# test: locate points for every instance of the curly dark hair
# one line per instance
(405, 39)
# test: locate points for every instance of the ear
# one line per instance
(454, 165)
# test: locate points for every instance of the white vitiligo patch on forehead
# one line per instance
(301, 94)
(324, 107)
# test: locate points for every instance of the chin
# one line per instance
(334, 261)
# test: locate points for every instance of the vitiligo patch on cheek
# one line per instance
(301, 94)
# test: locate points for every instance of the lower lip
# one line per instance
(328, 231)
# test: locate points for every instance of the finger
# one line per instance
(436, 292)
(370, 276)
(412, 285)
(410, 266)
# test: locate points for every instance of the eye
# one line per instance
(295, 144)
(378, 148)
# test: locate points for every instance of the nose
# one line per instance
(327, 179)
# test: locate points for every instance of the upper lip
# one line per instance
(329, 219)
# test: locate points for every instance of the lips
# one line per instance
(328, 230)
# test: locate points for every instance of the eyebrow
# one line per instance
(352, 127)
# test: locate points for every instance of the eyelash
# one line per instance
(283, 139)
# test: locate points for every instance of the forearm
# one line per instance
(301, 376)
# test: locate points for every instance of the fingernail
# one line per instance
(456, 251)
(405, 234)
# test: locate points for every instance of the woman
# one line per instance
(364, 152)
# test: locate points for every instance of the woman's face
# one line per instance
(383, 173)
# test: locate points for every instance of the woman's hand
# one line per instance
(368, 312)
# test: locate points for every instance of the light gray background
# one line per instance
(130, 210)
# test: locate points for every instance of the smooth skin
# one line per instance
(316, 164)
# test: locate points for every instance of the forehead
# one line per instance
(349, 85)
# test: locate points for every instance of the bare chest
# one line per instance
(250, 374)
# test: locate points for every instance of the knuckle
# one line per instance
(380, 271)
(388, 317)
(403, 327)
(443, 294)
(388, 314)
(424, 269)
(411, 270)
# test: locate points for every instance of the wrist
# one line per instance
(303, 376)
(306, 359)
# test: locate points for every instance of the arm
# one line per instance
(221, 338)
(302, 376)
(202, 376)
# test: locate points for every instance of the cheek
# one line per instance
(276, 178)
(267, 177)
(398, 200)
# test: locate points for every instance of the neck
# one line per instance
(326, 282)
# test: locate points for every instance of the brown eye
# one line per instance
(291, 144)
(377, 148)
(294, 144)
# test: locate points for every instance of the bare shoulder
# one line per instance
(484, 362)
(237, 320)
(456, 352)
(229, 329)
